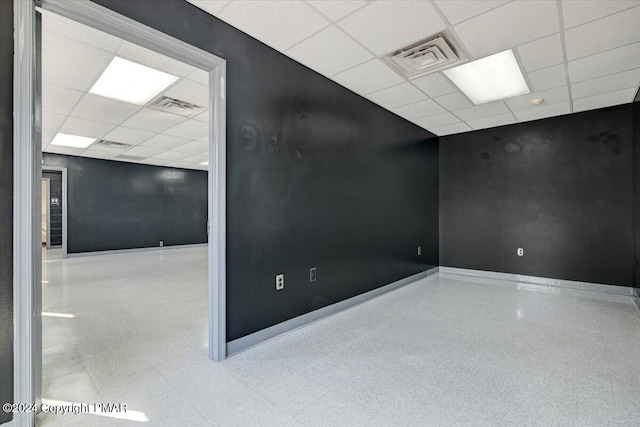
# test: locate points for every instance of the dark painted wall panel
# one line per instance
(6, 206)
(317, 177)
(636, 194)
(55, 211)
(117, 205)
(561, 188)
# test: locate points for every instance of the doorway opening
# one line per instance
(28, 217)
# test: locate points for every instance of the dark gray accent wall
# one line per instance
(560, 188)
(636, 196)
(55, 209)
(6, 206)
(317, 177)
(116, 205)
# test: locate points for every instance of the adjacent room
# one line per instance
(320, 213)
(124, 212)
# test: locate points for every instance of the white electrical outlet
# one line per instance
(279, 282)
(520, 252)
(419, 250)
(161, 243)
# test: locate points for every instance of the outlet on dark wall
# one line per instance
(560, 188)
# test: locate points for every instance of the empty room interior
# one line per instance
(319, 213)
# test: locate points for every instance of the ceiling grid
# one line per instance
(576, 54)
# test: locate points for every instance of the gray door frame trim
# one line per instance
(64, 206)
(27, 173)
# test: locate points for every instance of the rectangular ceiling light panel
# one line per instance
(490, 79)
(130, 82)
(66, 140)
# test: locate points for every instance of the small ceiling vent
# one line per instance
(125, 157)
(111, 144)
(175, 106)
(427, 56)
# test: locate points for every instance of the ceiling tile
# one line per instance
(155, 60)
(172, 155)
(551, 96)
(605, 63)
(106, 149)
(578, 12)
(142, 152)
(419, 109)
(453, 101)
(193, 147)
(195, 159)
(459, 10)
(153, 121)
(434, 85)
(396, 96)
(51, 122)
(210, 6)
(191, 129)
(58, 53)
(336, 9)
(277, 23)
(611, 83)
(542, 111)
(60, 100)
(203, 117)
(548, 78)
(451, 129)
(541, 53)
(604, 34)
(493, 121)
(76, 31)
(164, 142)
(190, 91)
(95, 154)
(515, 23)
(368, 77)
(329, 52)
(47, 137)
(385, 26)
(484, 110)
(98, 108)
(604, 100)
(128, 135)
(88, 128)
(58, 149)
(437, 120)
(157, 162)
(199, 76)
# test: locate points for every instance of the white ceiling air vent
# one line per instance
(175, 106)
(427, 56)
(111, 144)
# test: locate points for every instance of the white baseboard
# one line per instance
(241, 344)
(543, 281)
(126, 251)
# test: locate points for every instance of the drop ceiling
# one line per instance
(73, 58)
(576, 54)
